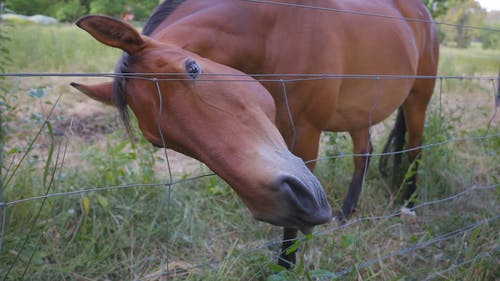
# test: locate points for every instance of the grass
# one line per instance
(121, 233)
(61, 50)
(472, 61)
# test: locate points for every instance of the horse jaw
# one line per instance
(102, 92)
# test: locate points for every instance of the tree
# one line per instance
(463, 13)
(141, 9)
(69, 10)
(489, 38)
(437, 7)
(28, 7)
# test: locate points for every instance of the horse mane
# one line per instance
(119, 94)
(160, 14)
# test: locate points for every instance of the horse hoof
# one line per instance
(408, 216)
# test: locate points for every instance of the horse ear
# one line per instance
(100, 92)
(112, 32)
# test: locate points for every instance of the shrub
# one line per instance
(490, 39)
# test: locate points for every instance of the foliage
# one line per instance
(437, 7)
(463, 13)
(70, 10)
(4, 105)
(67, 10)
(489, 38)
(4, 39)
(141, 9)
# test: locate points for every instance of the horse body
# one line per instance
(295, 40)
(289, 42)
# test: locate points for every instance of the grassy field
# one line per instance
(134, 226)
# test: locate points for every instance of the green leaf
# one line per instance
(320, 273)
(86, 205)
(119, 147)
(295, 246)
(413, 239)
(103, 201)
(276, 268)
(132, 155)
(347, 240)
(15, 150)
(309, 236)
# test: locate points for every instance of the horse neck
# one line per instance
(233, 35)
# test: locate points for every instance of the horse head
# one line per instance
(213, 113)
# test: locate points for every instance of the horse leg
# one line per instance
(306, 148)
(415, 121)
(395, 142)
(362, 145)
(414, 108)
(287, 260)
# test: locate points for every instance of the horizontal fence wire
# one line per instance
(184, 180)
(263, 77)
(480, 256)
(413, 248)
(284, 78)
(399, 252)
(291, 78)
(368, 14)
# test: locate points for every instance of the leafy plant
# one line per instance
(72, 9)
(5, 106)
(300, 271)
(437, 7)
(462, 12)
(491, 39)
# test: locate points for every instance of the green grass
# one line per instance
(121, 233)
(63, 48)
(469, 62)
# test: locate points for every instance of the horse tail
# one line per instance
(393, 147)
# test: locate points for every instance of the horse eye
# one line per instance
(192, 69)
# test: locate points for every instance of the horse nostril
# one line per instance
(300, 195)
(305, 199)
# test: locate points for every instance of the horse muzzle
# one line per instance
(298, 199)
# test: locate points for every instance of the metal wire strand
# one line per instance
(4, 205)
(169, 185)
(352, 12)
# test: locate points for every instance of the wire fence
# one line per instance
(475, 191)
(368, 14)
(490, 133)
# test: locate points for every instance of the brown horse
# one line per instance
(244, 131)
